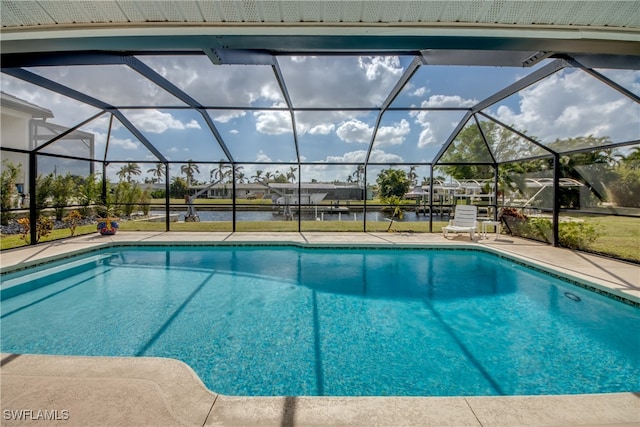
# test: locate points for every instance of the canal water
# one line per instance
(274, 215)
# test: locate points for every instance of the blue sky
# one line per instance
(568, 104)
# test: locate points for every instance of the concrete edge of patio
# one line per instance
(120, 391)
(104, 390)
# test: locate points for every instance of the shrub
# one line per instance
(145, 199)
(577, 235)
(44, 226)
(44, 185)
(158, 194)
(126, 195)
(72, 219)
(89, 192)
(515, 221)
(512, 212)
(62, 189)
(571, 234)
(539, 229)
(625, 191)
(392, 182)
(8, 190)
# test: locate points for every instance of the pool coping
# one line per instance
(155, 391)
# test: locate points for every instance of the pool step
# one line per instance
(20, 282)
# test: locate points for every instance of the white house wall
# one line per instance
(14, 127)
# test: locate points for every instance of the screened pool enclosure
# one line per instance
(318, 134)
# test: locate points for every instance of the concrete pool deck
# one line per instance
(108, 391)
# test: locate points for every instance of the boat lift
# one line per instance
(192, 215)
(544, 183)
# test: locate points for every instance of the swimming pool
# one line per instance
(254, 320)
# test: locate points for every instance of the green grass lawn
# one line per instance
(618, 236)
(8, 241)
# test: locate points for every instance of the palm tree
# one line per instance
(358, 173)
(412, 175)
(291, 175)
(239, 175)
(237, 171)
(122, 173)
(268, 176)
(258, 176)
(158, 172)
(634, 154)
(189, 170)
(128, 170)
(220, 173)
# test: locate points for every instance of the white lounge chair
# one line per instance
(464, 221)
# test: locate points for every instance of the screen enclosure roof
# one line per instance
(333, 83)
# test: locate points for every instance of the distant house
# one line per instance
(224, 191)
(25, 127)
(16, 116)
(311, 192)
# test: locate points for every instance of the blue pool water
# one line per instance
(292, 321)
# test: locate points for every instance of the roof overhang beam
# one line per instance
(499, 58)
(239, 57)
(307, 37)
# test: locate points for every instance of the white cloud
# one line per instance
(441, 101)
(125, 144)
(156, 121)
(273, 122)
(220, 85)
(343, 81)
(271, 93)
(570, 104)
(322, 129)
(392, 135)
(420, 92)
(354, 131)
(66, 111)
(426, 136)
(377, 66)
(234, 131)
(357, 156)
(262, 157)
(436, 126)
(319, 122)
(629, 79)
(118, 85)
(226, 116)
(380, 156)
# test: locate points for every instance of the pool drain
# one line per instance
(572, 297)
